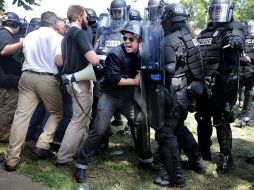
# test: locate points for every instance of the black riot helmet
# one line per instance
(174, 12)
(134, 15)
(220, 11)
(23, 26)
(35, 23)
(118, 9)
(11, 19)
(133, 27)
(118, 14)
(92, 17)
(249, 27)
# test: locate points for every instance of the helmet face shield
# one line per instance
(118, 17)
(250, 28)
(219, 13)
(118, 13)
(152, 13)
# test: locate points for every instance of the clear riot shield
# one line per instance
(103, 20)
(105, 43)
(103, 23)
(152, 74)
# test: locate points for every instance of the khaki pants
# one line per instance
(32, 88)
(8, 105)
(78, 127)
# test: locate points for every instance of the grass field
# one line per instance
(120, 172)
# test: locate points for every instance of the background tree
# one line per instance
(26, 4)
(244, 10)
(198, 13)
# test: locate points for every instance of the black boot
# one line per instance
(79, 175)
(197, 166)
(226, 163)
(206, 155)
(150, 166)
(10, 168)
(162, 181)
(177, 180)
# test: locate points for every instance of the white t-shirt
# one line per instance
(40, 48)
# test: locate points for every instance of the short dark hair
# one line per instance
(48, 18)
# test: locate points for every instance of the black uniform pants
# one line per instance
(218, 107)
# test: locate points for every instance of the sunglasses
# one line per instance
(130, 39)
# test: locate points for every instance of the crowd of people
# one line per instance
(62, 81)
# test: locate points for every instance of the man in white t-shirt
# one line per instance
(38, 82)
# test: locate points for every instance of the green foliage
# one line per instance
(244, 10)
(198, 11)
(26, 4)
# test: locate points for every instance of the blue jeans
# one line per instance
(106, 107)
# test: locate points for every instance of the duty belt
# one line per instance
(39, 73)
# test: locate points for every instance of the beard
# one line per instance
(83, 25)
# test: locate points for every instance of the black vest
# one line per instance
(210, 41)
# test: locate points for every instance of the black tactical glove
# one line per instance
(195, 88)
(99, 71)
(236, 42)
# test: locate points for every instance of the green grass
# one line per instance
(120, 172)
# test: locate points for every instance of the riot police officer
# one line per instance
(221, 43)
(118, 13)
(92, 23)
(188, 78)
(182, 67)
(246, 78)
